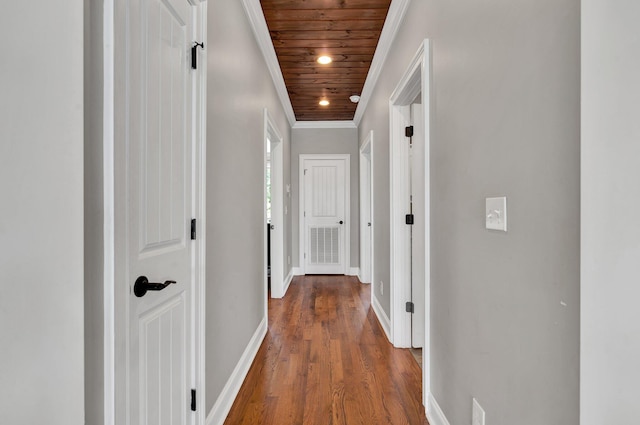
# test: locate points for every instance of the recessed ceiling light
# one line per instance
(324, 102)
(323, 60)
(355, 98)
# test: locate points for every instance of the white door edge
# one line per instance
(347, 212)
(416, 80)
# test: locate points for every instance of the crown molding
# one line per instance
(255, 15)
(324, 124)
(397, 10)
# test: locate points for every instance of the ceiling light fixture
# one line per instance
(355, 98)
(324, 102)
(324, 60)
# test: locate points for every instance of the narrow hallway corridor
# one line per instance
(325, 360)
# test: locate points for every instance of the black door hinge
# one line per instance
(194, 55)
(193, 400)
(193, 229)
(408, 131)
(410, 307)
(408, 219)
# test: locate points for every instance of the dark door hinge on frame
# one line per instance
(408, 219)
(194, 55)
(408, 131)
(410, 307)
(193, 229)
(193, 400)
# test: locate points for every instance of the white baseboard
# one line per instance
(287, 282)
(354, 271)
(296, 271)
(221, 408)
(434, 413)
(382, 317)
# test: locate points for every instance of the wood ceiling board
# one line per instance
(314, 52)
(324, 4)
(335, 65)
(336, 58)
(324, 43)
(352, 24)
(274, 15)
(278, 36)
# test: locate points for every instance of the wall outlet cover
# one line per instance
(496, 213)
(477, 413)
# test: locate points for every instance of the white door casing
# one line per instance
(324, 222)
(154, 108)
(415, 84)
(418, 229)
(274, 139)
(366, 211)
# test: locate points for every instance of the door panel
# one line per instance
(324, 216)
(418, 193)
(159, 208)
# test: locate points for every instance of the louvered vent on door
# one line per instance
(324, 245)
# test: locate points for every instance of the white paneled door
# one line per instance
(324, 215)
(159, 208)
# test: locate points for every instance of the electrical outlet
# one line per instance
(477, 413)
(381, 288)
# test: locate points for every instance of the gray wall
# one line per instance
(610, 209)
(238, 89)
(326, 141)
(506, 100)
(93, 214)
(41, 213)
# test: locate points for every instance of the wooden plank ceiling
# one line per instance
(345, 30)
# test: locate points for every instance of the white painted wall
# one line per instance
(41, 213)
(610, 288)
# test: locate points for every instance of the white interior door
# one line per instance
(159, 209)
(324, 215)
(418, 193)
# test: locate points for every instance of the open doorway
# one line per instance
(409, 227)
(273, 211)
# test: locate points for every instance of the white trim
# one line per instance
(395, 16)
(354, 271)
(222, 406)
(287, 282)
(366, 185)
(417, 79)
(347, 207)
(272, 136)
(324, 124)
(198, 296)
(435, 415)
(381, 315)
(297, 271)
(255, 15)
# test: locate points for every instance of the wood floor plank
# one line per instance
(326, 361)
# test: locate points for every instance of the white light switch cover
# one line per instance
(496, 213)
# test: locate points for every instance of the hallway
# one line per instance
(325, 360)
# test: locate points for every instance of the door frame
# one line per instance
(347, 207)
(366, 204)
(116, 295)
(415, 81)
(272, 136)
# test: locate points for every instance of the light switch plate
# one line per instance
(496, 213)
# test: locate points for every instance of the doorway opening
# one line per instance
(409, 114)
(366, 210)
(273, 211)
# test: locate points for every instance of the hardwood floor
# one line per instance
(325, 360)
